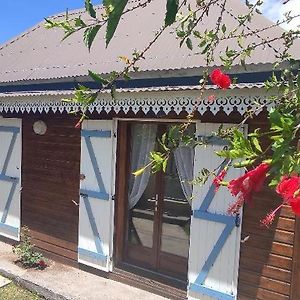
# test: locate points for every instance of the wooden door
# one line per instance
(50, 180)
(156, 231)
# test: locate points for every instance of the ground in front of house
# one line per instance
(15, 292)
(67, 282)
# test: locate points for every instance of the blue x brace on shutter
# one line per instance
(5, 178)
(101, 194)
(229, 221)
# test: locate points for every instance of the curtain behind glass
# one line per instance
(184, 159)
(143, 142)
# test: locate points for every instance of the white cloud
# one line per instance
(294, 7)
(275, 10)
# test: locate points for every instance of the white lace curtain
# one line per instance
(143, 142)
(184, 159)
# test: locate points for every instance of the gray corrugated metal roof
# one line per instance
(129, 90)
(39, 54)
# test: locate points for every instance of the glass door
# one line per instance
(158, 208)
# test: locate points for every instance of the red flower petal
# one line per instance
(219, 178)
(252, 181)
(220, 79)
(224, 81)
(287, 187)
(295, 204)
(215, 75)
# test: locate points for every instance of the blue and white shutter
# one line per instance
(215, 236)
(10, 177)
(96, 190)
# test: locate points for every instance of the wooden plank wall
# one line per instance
(267, 257)
(50, 180)
(266, 260)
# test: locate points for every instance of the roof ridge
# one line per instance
(82, 10)
(21, 35)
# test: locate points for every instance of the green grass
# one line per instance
(15, 292)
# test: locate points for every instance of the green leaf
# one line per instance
(245, 163)
(90, 34)
(79, 23)
(90, 8)
(223, 28)
(189, 43)
(256, 144)
(164, 165)
(172, 9)
(97, 78)
(115, 8)
(49, 24)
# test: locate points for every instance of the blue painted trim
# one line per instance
(92, 254)
(95, 164)
(8, 202)
(93, 224)
(215, 252)
(3, 176)
(212, 189)
(210, 292)
(93, 194)
(253, 77)
(8, 178)
(9, 152)
(96, 133)
(10, 129)
(229, 222)
(12, 229)
(214, 217)
(212, 140)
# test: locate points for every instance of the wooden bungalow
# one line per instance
(75, 190)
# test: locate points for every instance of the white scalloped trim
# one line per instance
(145, 102)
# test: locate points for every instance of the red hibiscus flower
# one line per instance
(42, 264)
(244, 186)
(289, 189)
(220, 79)
(219, 178)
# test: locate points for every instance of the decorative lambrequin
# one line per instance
(96, 205)
(142, 101)
(10, 174)
(215, 236)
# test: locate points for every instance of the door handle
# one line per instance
(156, 203)
(75, 203)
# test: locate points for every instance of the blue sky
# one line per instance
(17, 16)
(275, 10)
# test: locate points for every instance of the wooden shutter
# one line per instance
(215, 236)
(96, 188)
(10, 177)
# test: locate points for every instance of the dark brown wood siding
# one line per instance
(266, 258)
(50, 181)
